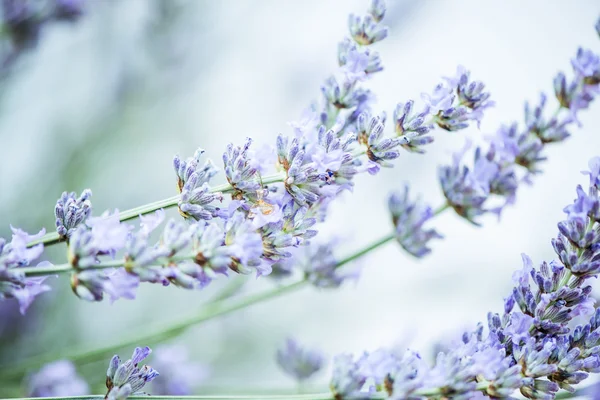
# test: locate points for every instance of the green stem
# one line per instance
(441, 209)
(84, 355)
(316, 396)
(53, 237)
(369, 248)
(161, 333)
(64, 268)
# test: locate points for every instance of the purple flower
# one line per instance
(245, 246)
(413, 126)
(57, 379)
(321, 267)
(519, 327)
(299, 362)
(121, 284)
(240, 171)
(356, 63)
(366, 30)
(408, 218)
(29, 289)
(302, 180)
(380, 149)
(13, 283)
(180, 375)
(108, 233)
(468, 189)
(347, 379)
(71, 211)
(193, 183)
(586, 65)
(124, 379)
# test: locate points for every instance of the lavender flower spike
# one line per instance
(71, 211)
(13, 283)
(57, 379)
(125, 379)
(298, 362)
(408, 218)
(193, 184)
(533, 347)
(180, 375)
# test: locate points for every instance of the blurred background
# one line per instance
(104, 101)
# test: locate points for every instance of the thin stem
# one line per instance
(53, 237)
(441, 209)
(369, 248)
(64, 268)
(84, 355)
(161, 333)
(316, 396)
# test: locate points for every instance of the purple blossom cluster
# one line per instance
(14, 255)
(180, 375)
(127, 378)
(274, 196)
(492, 181)
(533, 346)
(57, 379)
(299, 362)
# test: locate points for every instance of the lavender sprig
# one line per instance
(494, 174)
(126, 378)
(532, 349)
(261, 225)
(298, 362)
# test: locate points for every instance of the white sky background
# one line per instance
(234, 69)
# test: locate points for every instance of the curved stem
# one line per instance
(160, 333)
(53, 237)
(164, 332)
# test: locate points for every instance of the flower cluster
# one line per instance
(57, 379)
(298, 362)
(278, 194)
(126, 378)
(179, 374)
(408, 218)
(532, 347)
(494, 175)
(16, 254)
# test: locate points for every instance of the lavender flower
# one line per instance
(125, 379)
(57, 379)
(298, 362)
(71, 211)
(302, 180)
(379, 148)
(494, 175)
(193, 184)
(412, 126)
(321, 268)
(13, 283)
(466, 189)
(365, 30)
(408, 218)
(241, 173)
(347, 379)
(533, 348)
(180, 375)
